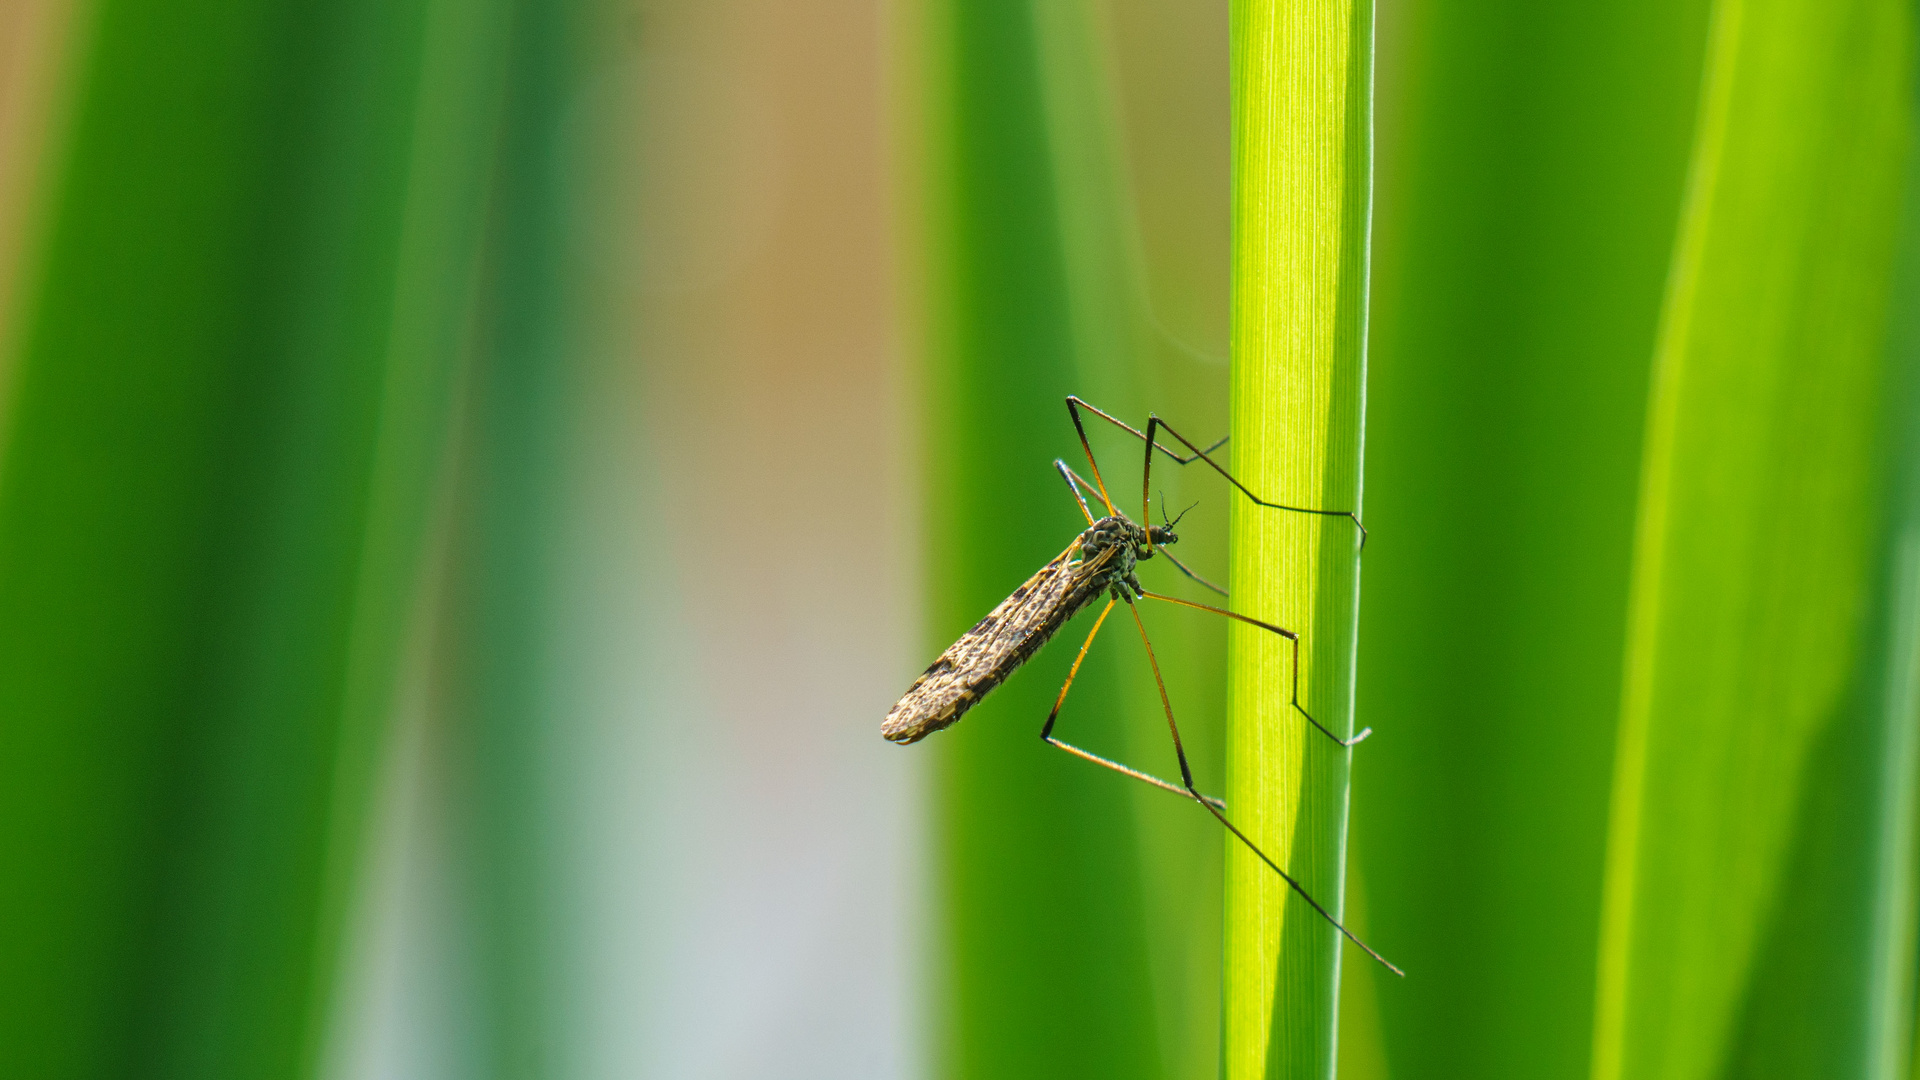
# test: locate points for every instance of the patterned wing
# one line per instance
(995, 647)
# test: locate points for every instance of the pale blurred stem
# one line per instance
(1302, 129)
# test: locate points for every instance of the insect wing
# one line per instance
(985, 655)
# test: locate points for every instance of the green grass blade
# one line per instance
(1043, 951)
(1895, 941)
(1302, 97)
(1531, 170)
(1095, 91)
(528, 373)
(1738, 900)
(228, 405)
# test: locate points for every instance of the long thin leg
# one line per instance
(1145, 477)
(1135, 432)
(1290, 636)
(1179, 565)
(1072, 480)
(1182, 567)
(1046, 732)
(1088, 447)
(1186, 775)
(1078, 485)
(1074, 405)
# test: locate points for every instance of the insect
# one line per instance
(1100, 562)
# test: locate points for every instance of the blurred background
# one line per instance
(474, 474)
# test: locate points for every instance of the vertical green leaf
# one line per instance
(1531, 169)
(1894, 837)
(1125, 364)
(1740, 907)
(229, 405)
(1043, 957)
(1302, 94)
(526, 370)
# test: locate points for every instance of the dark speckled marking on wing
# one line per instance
(997, 645)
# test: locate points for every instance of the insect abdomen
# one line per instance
(986, 655)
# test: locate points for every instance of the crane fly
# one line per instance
(1100, 562)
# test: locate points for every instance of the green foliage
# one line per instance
(524, 365)
(281, 233)
(1532, 162)
(1302, 97)
(229, 401)
(1080, 910)
(1765, 747)
(1104, 160)
(1043, 942)
(1758, 891)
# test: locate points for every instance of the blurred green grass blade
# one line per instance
(1170, 65)
(1123, 365)
(526, 367)
(1043, 957)
(1531, 170)
(1890, 798)
(1302, 181)
(1739, 898)
(229, 400)
(1891, 1024)
(450, 124)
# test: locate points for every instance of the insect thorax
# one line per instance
(1129, 539)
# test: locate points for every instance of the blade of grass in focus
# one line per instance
(1302, 98)
(228, 403)
(1743, 902)
(1531, 169)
